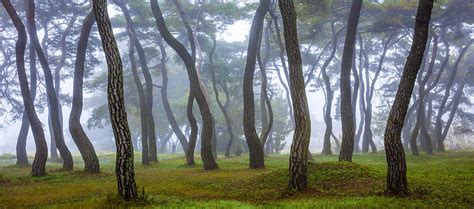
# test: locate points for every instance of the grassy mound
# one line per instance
(332, 178)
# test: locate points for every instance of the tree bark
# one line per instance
(255, 146)
(396, 173)
(75, 128)
(41, 155)
(209, 162)
(347, 117)
(127, 188)
(299, 147)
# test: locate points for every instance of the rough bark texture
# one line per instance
(52, 97)
(396, 172)
(21, 154)
(127, 188)
(39, 163)
(299, 147)
(209, 162)
(347, 116)
(91, 162)
(253, 141)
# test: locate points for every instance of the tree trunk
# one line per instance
(209, 162)
(21, 154)
(75, 128)
(347, 117)
(127, 188)
(222, 107)
(41, 156)
(52, 97)
(164, 98)
(255, 146)
(299, 147)
(142, 106)
(265, 104)
(396, 174)
(194, 131)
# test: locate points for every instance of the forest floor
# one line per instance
(444, 180)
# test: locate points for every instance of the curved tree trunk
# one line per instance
(148, 81)
(299, 147)
(75, 128)
(222, 107)
(396, 174)
(127, 188)
(347, 117)
(164, 98)
(255, 146)
(52, 97)
(209, 162)
(41, 156)
(265, 104)
(21, 154)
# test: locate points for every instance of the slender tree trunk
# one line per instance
(347, 117)
(253, 141)
(265, 104)
(222, 107)
(164, 98)
(439, 117)
(194, 131)
(75, 128)
(21, 154)
(396, 174)
(52, 97)
(142, 106)
(127, 188)
(41, 156)
(209, 162)
(299, 147)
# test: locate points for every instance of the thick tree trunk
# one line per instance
(299, 147)
(396, 173)
(75, 128)
(347, 117)
(21, 154)
(209, 162)
(39, 163)
(127, 188)
(52, 97)
(255, 146)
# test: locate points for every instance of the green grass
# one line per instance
(441, 181)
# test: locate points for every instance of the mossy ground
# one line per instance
(442, 180)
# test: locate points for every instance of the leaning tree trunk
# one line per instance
(222, 107)
(91, 162)
(52, 97)
(207, 157)
(347, 117)
(164, 98)
(253, 141)
(142, 105)
(299, 147)
(21, 154)
(41, 156)
(148, 81)
(396, 173)
(127, 188)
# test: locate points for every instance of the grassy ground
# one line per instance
(443, 180)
